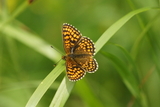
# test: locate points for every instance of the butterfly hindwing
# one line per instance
(74, 71)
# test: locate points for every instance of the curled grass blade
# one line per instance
(128, 56)
(127, 77)
(45, 84)
(116, 26)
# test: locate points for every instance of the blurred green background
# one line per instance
(22, 67)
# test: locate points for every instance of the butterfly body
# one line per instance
(79, 53)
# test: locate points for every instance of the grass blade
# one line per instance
(91, 99)
(18, 11)
(116, 26)
(45, 84)
(127, 76)
(62, 93)
(33, 41)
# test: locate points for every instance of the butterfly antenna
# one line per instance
(57, 63)
(59, 52)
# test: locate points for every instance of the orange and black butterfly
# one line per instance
(79, 53)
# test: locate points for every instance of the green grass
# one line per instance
(135, 71)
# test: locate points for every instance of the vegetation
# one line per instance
(126, 35)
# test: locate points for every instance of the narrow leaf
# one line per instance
(45, 84)
(116, 26)
(62, 93)
(128, 78)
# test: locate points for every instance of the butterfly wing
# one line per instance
(92, 65)
(85, 50)
(71, 37)
(84, 46)
(74, 71)
(88, 63)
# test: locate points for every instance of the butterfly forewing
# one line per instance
(85, 46)
(71, 36)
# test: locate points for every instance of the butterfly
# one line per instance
(79, 53)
